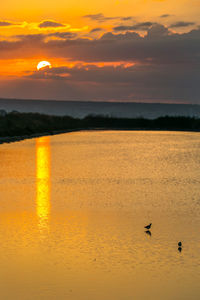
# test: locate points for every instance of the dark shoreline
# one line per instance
(13, 139)
(19, 126)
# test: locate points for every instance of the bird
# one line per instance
(148, 226)
(179, 244)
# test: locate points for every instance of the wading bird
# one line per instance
(148, 226)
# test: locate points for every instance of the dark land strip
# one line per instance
(16, 126)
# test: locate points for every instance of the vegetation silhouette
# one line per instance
(19, 124)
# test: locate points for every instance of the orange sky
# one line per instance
(72, 10)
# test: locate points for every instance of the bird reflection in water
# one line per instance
(148, 232)
(179, 249)
(43, 183)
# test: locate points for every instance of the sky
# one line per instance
(108, 50)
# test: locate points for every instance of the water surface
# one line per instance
(73, 209)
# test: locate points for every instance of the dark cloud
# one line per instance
(126, 18)
(109, 36)
(165, 16)
(159, 45)
(123, 28)
(138, 26)
(62, 35)
(135, 76)
(181, 24)
(46, 24)
(157, 31)
(94, 17)
(5, 23)
(166, 66)
(96, 29)
(89, 73)
(42, 37)
(153, 83)
(99, 17)
(31, 37)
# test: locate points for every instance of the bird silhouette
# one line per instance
(179, 244)
(148, 226)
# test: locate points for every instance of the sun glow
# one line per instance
(43, 64)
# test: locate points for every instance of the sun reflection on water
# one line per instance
(43, 182)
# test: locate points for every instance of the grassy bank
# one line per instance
(34, 124)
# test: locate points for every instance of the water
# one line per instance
(73, 209)
(80, 109)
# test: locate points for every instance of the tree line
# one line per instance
(16, 124)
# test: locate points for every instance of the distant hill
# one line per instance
(114, 109)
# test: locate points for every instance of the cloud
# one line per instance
(49, 24)
(138, 26)
(99, 17)
(165, 16)
(90, 82)
(158, 46)
(159, 65)
(126, 18)
(109, 36)
(61, 35)
(42, 38)
(5, 23)
(158, 31)
(94, 17)
(96, 29)
(181, 24)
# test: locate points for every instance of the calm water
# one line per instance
(73, 208)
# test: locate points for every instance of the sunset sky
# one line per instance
(108, 50)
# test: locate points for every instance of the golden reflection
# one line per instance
(43, 181)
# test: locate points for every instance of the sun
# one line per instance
(43, 64)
